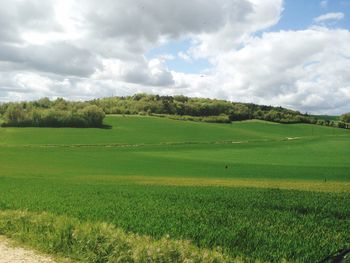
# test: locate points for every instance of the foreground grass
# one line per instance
(99, 242)
(261, 224)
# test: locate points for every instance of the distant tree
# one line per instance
(14, 115)
(181, 98)
(93, 115)
(239, 112)
(342, 125)
(59, 114)
(321, 122)
(60, 104)
(139, 96)
(43, 103)
(345, 117)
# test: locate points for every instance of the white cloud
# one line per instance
(329, 17)
(305, 70)
(184, 56)
(74, 39)
(239, 25)
(324, 4)
(81, 49)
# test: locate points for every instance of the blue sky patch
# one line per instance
(297, 15)
(179, 64)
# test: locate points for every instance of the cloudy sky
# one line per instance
(293, 53)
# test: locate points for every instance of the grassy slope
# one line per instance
(150, 130)
(264, 152)
(98, 183)
(313, 159)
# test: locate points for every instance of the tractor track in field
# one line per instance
(119, 145)
(139, 145)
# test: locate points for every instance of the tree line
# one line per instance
(46, 113)
(208, 110)
(62, 113)
(198, 107)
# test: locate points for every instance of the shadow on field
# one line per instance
(106, 127)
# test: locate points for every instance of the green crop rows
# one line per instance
(132, 175)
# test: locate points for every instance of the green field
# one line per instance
(260, 191)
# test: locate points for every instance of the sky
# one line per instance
(290, 53)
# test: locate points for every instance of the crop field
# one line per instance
(258, 190)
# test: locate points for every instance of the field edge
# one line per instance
(69, 237)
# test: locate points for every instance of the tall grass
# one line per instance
(99, 242)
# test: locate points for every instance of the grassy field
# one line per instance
(258, 190)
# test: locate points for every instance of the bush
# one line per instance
(342, 125)
(14, 115)
(210, 119)
(93, 115)
(18, 116)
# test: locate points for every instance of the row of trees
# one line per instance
(60, 112)
(331, 123)
(198, 107)
(28, 115)
(342, 121)
(210, 119)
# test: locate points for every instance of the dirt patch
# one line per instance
(9, 253)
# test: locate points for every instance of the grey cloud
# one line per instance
(60, 58)
(153, 73)
(144, 21)
(18, 16)
(162, 80)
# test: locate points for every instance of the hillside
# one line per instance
(187, 106)
(62, 113)
(216, 184)
(176, 148)
(236, 186)
(153, 130)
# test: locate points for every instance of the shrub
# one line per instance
(93, 115)
(211, 119)
(18, 116)
(342, 125)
